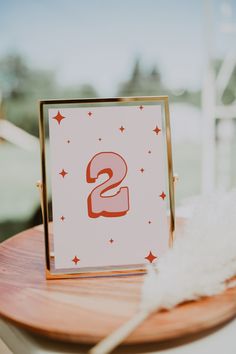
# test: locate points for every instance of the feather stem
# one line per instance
(114, 339)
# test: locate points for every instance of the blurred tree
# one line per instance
(147, 84)
(137, 74)
(141, 83)
(13, 74)
(87, 90)
(84, 91)
(22, 86)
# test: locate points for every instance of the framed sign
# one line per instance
(109, 170)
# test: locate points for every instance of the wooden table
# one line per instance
(220, 341)
(85, 310)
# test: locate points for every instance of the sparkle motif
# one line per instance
(150, 257)
(63, 173)
(157, 130)
(90, 114)
(75, 260)
(62, 218)
(142, 170)
(58, 117)
(141, 108)
(162, 195)
(122, 129)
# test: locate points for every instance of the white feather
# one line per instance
(198, 265)
(202, 259)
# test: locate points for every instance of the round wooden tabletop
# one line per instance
(87, 310)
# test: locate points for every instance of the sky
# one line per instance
(97, 41)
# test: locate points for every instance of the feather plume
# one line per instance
(200, 264)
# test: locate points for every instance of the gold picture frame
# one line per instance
(45, 104)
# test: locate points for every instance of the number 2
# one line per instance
(116, 168)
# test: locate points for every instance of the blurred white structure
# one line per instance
(15, 135)
(213, 108)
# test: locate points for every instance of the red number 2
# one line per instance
(116, 168)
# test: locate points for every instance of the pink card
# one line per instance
(110, 191)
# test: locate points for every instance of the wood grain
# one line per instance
(87, 310)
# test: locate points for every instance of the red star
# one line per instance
(75, 260)
(162, 195)
(141, 108)
(111, 240)
(150, 257)
(122, 129)
(90, 114)
(63, 173)
(157, 130)
(142, 170)
(62, 218)
(58, 117)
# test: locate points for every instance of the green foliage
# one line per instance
(229, 95)
(22, 87)
(13, 76)
(150, 83)
(141, 83)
